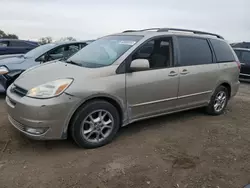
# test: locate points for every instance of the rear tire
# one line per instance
(95, 124)
(218, 101)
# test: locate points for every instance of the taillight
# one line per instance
(239, 65)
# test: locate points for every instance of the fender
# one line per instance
(120, 102)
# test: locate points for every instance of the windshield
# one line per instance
(104, 51)
(38, 51)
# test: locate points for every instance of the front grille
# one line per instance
(16, 124)
(18, 90)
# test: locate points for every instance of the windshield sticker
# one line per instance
(131, 43)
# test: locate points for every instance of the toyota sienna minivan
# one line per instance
(122, 78)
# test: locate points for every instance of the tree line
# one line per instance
(42, 40)
(4, 35)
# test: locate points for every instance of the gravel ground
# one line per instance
(186, 150)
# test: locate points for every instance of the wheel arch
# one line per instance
(225, 84)
(118, 104)
(228, 86)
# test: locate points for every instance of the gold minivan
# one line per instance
(122, 78)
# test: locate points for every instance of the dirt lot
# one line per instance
(188, 149)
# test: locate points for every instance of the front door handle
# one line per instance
(184, 71)
(172, 73)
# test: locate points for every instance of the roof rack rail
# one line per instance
(129, 31)
(149, 29)
(175, 29)
(126, 31)
(188, 30)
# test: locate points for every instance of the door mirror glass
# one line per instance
(139, 65)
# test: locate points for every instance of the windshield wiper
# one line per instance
(73, 63)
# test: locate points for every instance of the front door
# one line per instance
(198, 73)
(153, 91)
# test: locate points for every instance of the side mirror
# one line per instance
(139, 65)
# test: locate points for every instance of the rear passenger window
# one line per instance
(19, 44)
(194, 51)
(222, 50)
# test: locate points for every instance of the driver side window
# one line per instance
(54, 54)
(60, 52)
(64, 51)
(158, 52)
(57, 50)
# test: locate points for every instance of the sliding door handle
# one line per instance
(184, 71)
(172, 73)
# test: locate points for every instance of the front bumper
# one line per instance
(52, 114)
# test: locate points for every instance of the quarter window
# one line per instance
(223, 51)
(194, 51)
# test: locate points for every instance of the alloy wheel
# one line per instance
(220, 101)
(97, 126)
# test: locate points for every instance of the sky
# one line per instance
(89, 19)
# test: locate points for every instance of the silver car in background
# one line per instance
(122, 78)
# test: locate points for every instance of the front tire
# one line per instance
(95, 124)
(218, 101)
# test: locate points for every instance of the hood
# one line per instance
(12, 60)
(47, 72)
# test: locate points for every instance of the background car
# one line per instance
(244, 57)
(11, 68)
(16, 46)
(10, 55)
(241, 45)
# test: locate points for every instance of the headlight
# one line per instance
(3, 70)
(50, 89)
